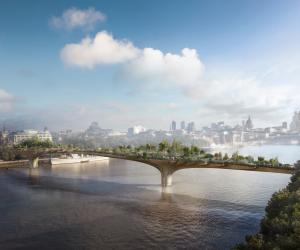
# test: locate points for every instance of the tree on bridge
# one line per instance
(35, 143)
(163, 146)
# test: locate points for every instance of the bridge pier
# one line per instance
(34, 163)
(166, 177)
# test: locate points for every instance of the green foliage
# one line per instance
(186, 151)
(163, 146)
(7, 154)
(145, 155)
(209, 156)
(226, 157)
(297, 165)
(195, 150)
(176, 146)
(235, 156)
(274, 162)
(35, 142)
(249, 158)
(176, 150)
(218, 156)
(261, 158)
(280, 228)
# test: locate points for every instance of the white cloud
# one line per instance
(77, 18)
(219, 92)
(103, 49)
(154, 66)
(6, 101)
(148, 64)
(238, 96)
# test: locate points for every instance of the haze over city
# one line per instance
(66, 64)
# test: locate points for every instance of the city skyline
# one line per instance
(135, 63)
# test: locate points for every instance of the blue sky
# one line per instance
(149, 62)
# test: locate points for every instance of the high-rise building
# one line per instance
(182, 125)
(295, 124)
(191, 127)
(173, 126)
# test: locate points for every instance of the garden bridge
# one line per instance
(166, 167)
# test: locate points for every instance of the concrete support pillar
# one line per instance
(166, 177)
(34, 163)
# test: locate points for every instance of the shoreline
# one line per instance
(19, 163)
(14, 164)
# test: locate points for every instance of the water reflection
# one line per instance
(119, 205)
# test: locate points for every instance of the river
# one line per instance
(119, 205)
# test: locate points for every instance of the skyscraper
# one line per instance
(295, 124)
(173, 126)
(191, 127)
(182, 125)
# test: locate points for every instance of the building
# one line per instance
(191, 127)
(94, 130)
(4, 139)
(249, 125)
(218, 126)
(284, 125)
(182, 125)
(295, 124)
(173, 125)
(18, 137)
(135, 130)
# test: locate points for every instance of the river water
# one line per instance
(118, 204)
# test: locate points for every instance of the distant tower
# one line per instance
(182, 125)
(284, 125)
(191, 127)
(295, 124)
(173, 126)
(249, 124)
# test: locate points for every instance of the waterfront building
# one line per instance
(18, 137)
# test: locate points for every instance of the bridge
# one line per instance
(166, 167)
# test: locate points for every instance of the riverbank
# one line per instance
(19, 163)
(14, 164)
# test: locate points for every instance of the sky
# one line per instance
(64, 64)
